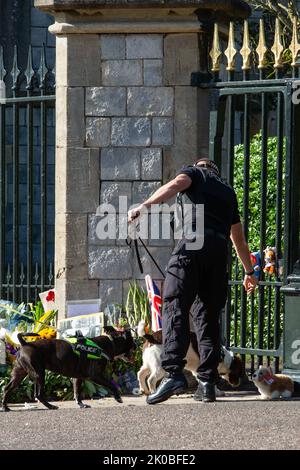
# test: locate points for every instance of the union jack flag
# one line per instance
(155, 303)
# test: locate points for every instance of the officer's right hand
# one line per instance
(250, 283)
(135, 213)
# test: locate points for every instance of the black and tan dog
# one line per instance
(56, 355)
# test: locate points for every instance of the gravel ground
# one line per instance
(238, 421)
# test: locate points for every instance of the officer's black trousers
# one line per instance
(200, 275)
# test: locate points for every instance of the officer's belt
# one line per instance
(210, 232)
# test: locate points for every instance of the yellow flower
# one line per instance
(48, 333)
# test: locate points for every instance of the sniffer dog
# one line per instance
(151, 372)
(57, 355)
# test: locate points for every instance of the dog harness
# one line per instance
(86, 347)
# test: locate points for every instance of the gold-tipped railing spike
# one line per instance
(278, 48)
(246, 49)
(216, 52)
(262, 49)
(295, 45)
(231, 50)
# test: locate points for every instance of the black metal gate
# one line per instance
(27, 157)
(254, 137)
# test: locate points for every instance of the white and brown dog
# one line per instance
(151, 372)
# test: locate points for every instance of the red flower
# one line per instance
(51, 296)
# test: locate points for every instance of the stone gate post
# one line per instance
(127, 118)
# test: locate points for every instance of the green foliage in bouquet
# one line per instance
(137, 305)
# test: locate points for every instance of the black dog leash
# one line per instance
(138, 257)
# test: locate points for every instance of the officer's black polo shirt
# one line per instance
(219, 199)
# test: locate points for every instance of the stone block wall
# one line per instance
(127, 120)
(130, 119)
(143, 97)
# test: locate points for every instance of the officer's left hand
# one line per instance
(250, 283)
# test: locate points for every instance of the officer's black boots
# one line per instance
(173, 384)
(205, 392)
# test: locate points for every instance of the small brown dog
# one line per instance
(58, 356)
(272, 386)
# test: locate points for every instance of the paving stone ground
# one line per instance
(237, 421)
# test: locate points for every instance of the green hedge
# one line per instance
(255, 188)
(254, 228)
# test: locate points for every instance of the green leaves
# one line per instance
(37, 311)
(137, 305)
(275, 176)
(255, 188)
(285, 11)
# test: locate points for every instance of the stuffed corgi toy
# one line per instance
(270, 260)
(272, 386)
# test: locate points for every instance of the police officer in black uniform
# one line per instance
(198, 278)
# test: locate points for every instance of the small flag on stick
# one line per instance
(155, 303)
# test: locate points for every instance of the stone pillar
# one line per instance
(127, 119)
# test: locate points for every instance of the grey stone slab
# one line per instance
(109, 263)
(108, 227)
(122, 72)
(128, 132)
(161, 255)
(162, 131)
(112, 46)
(70, 125)
(77, 180)
(144, 46)
(181, 58)
(120, 164)
(110, 292)
(98, 132)
(105, 101)
(122, 227)
(71, 245)
(150, 101)
(94, 231)
(239, 9)
(191, 129)
(143, 190)
(151, 162)
(189, 123)
(153, 75)
(78, 59)
(112, 190)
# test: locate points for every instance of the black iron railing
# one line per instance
(254, 137)
(27, 137)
